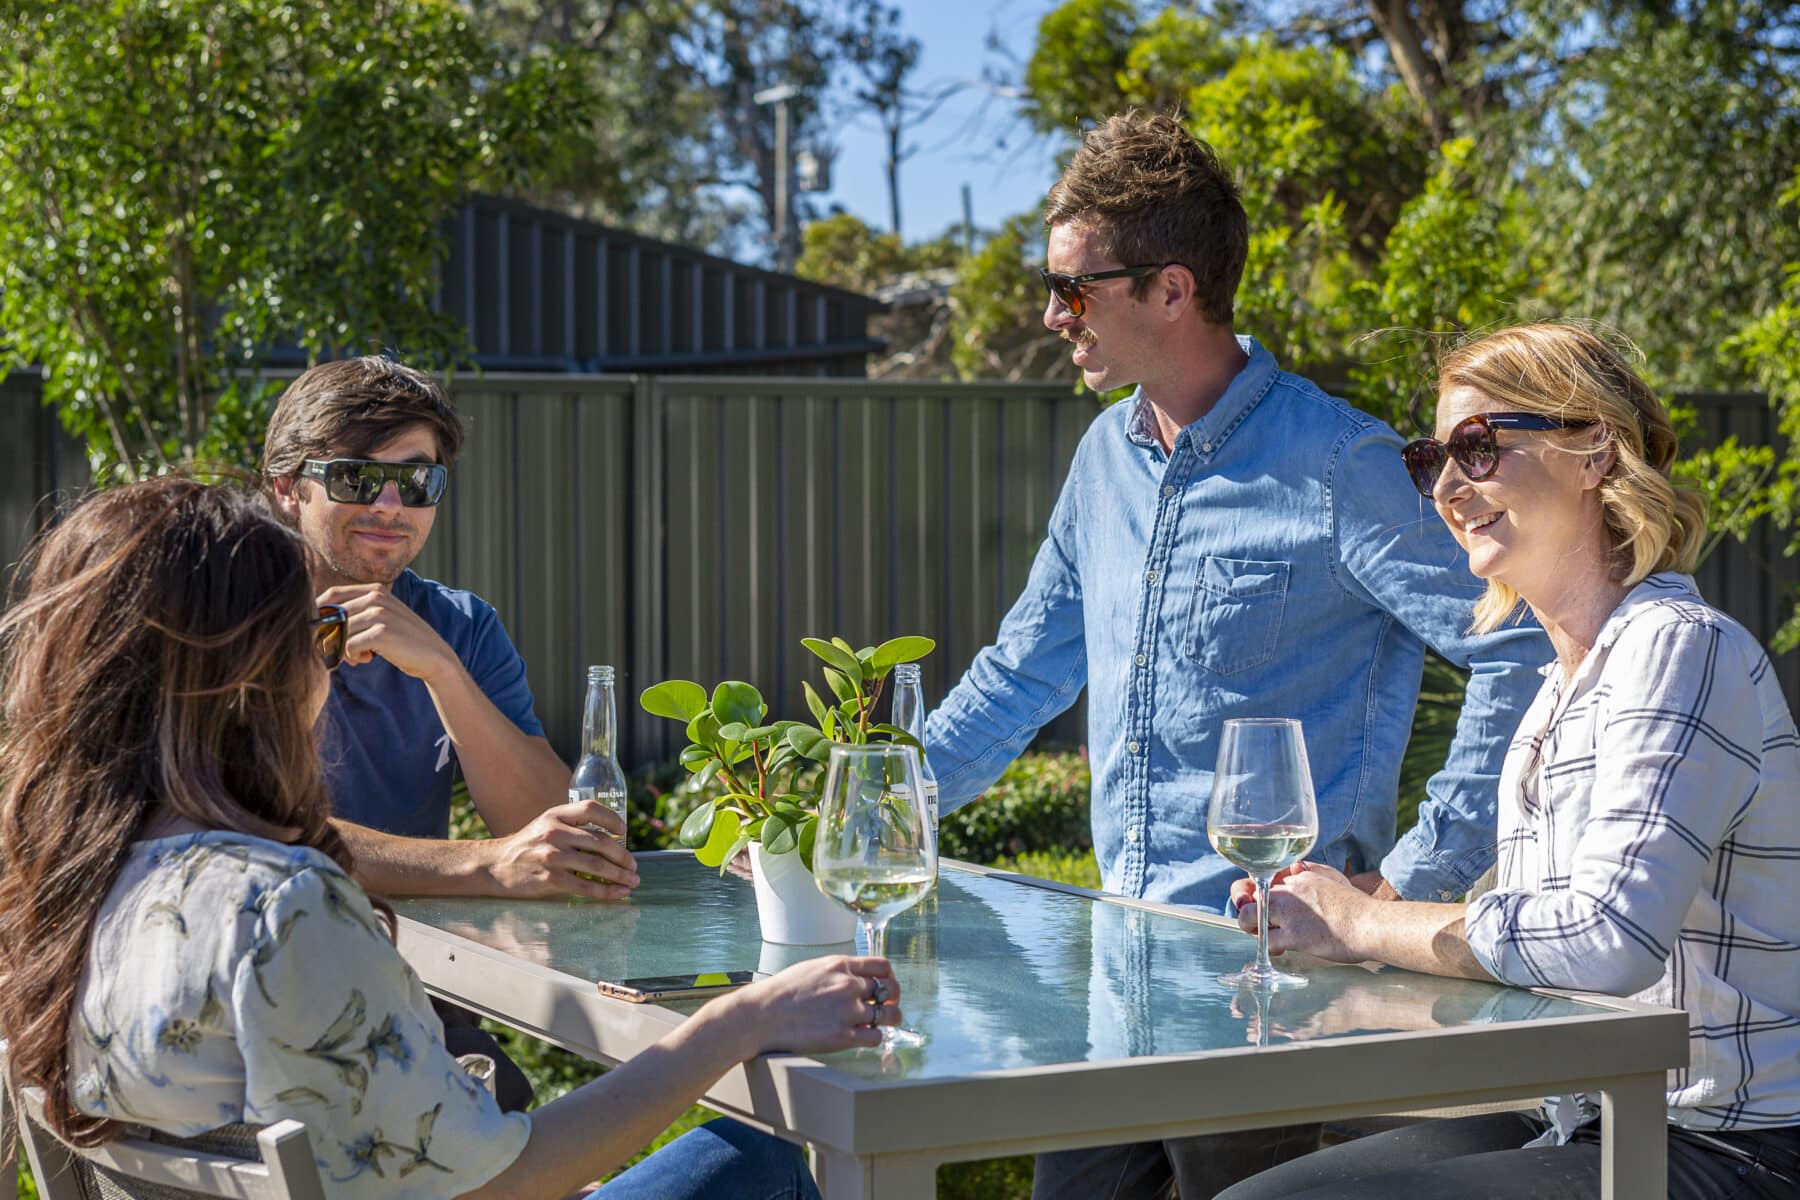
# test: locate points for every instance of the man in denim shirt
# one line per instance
(1230, 542)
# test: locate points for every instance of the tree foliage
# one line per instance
(186, 182)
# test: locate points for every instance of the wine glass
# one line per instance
(1262, 818)
(873, 852)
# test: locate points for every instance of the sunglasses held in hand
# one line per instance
(360, 480)
(1471, 443)
(329, 630)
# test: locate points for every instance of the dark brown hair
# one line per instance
(348, 407)
(158, 658)
(1155, 194)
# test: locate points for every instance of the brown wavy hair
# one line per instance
(1569, 371)
(158, 659)
(1153, 193)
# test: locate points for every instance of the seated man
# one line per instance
(357, 456)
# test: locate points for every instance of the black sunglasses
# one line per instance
(1067, 288)
(1471, 443)
(360, 480)
(329, 630)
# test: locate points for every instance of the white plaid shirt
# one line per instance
(1649, 824)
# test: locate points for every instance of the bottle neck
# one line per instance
(909, 705)
(599, 719)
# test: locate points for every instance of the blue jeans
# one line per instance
(721, 1160)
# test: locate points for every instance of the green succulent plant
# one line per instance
(770, 768)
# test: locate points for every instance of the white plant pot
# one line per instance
(792, 909)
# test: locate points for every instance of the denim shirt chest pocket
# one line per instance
(1235, 618)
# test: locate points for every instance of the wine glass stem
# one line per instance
(875, 936)
(1263, 965)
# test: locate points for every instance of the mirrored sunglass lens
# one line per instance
(353, 483)
(328, 637)
(1425, 461)
(1473, 446)
(1066, 293)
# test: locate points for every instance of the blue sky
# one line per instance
(962, 143)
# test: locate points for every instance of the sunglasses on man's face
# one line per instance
(360, 480)
(1471, 443)
(1068, 288)
(329, 630)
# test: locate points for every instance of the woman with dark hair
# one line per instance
(1649, 809)
(183, 944)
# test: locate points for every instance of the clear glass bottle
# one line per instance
(909, 714)
(597, 776)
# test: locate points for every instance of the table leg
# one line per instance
(1634, 1138)
(889, 1177)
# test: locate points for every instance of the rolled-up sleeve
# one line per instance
(1677, 760)
(335, 1031)
(1396, 552)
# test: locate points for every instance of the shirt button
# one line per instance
(1206, 447)
(1140, 660)
(1131, 747)
(1131, 835)
(1149, 576)
(1168, 489)
(1446, 894)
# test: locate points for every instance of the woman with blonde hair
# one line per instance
(182, 945)
(1649, 808)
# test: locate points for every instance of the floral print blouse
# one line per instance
(232, 979)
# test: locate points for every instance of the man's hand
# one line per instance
(379, 624)
(1312, 908)
(551, 855)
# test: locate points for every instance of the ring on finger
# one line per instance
(881, 993)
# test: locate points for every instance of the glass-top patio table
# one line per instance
(1056, 1018)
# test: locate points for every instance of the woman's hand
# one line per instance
(816, 1006)
(1312, 908)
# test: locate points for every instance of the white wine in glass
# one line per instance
(1262, 818)
(874, 852)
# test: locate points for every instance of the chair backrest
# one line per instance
(273, 1162)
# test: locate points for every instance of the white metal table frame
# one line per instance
(884, 1140)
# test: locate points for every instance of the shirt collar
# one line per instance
(1248, 387)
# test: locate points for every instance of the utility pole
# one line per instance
(784, 244)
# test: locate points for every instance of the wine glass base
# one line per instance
(905, 1038)
(1264, 979)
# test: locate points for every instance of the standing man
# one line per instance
(1230, 542)
(357, 455)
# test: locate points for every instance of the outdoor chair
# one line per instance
(245, 1162)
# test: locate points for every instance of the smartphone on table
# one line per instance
(674, 987)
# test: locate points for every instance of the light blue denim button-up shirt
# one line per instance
(1277, 562)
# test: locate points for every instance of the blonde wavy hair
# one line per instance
(1569, 372)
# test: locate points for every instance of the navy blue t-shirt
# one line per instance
(388, 763)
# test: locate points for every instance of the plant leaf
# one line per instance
(839, 657)
(734, 701)
(694, 757)
(809, 833)
(727, 827)
(733, 850)
(759, 733)
(698, 826)
(895, 651)
(898, 735)
(841, 685)
(810, 743)
(677, 699)
(703, 730)
(816, 705)
(734, 731)
(779, 835)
